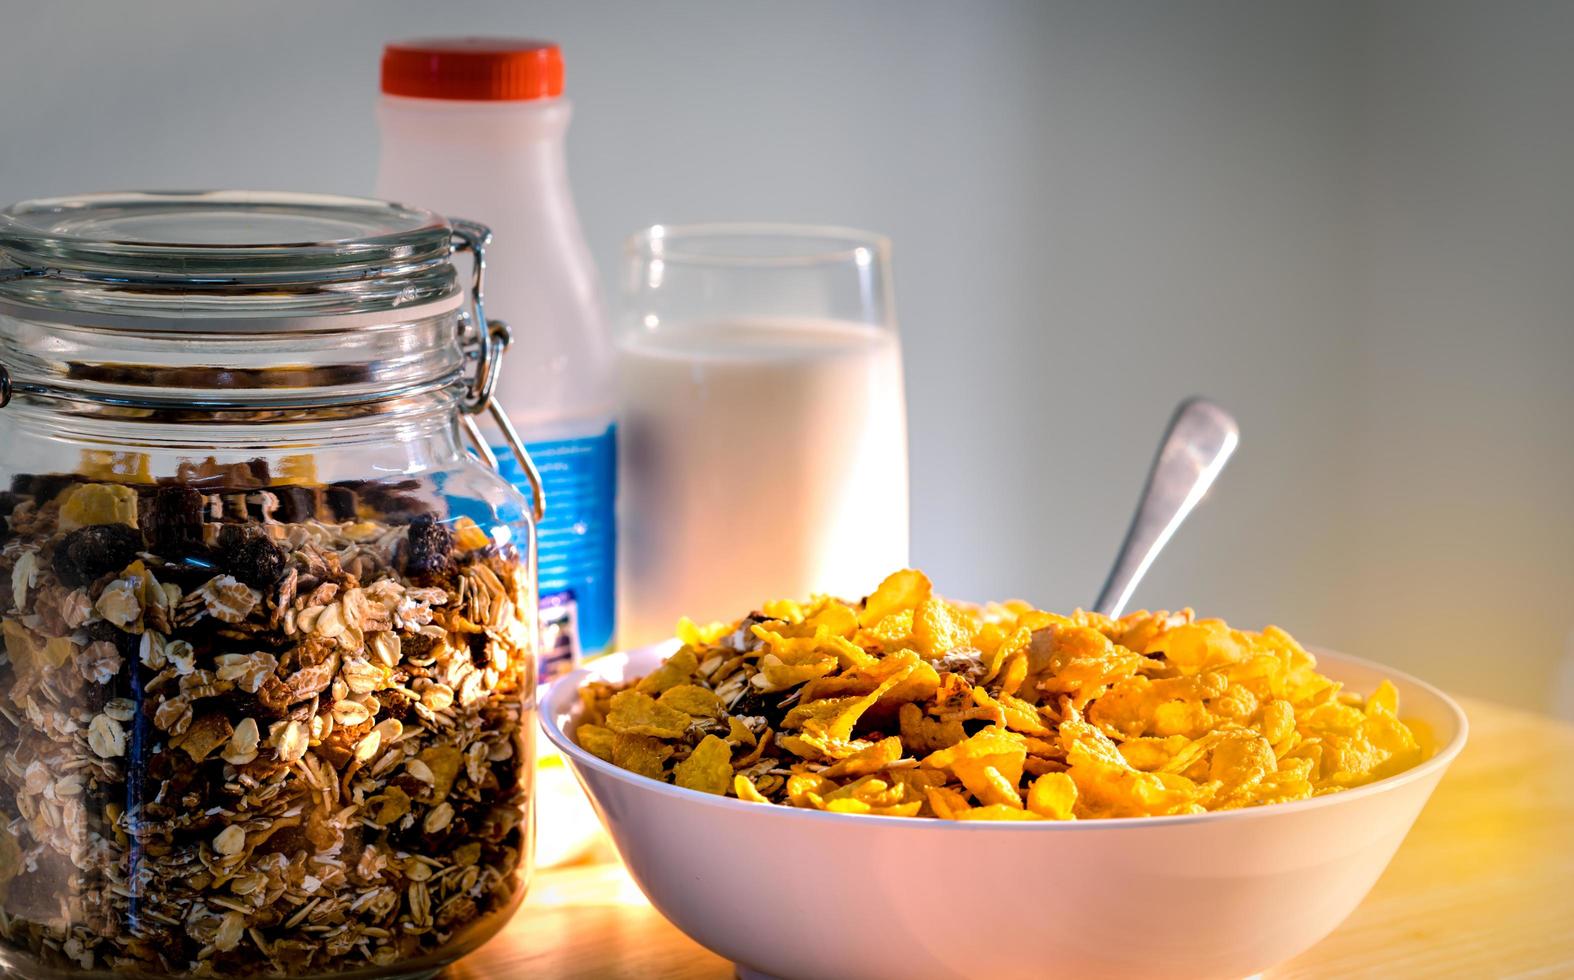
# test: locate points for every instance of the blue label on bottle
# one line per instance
(578, 543)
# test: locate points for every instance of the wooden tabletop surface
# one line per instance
(1483, 887)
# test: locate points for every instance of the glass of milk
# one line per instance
(763, 443)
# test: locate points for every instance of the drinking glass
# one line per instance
(763, 444)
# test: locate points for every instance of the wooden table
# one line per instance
(1483, 887)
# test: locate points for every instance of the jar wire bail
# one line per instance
(486, 341)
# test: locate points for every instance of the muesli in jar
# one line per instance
(267, 627)
(242, 735)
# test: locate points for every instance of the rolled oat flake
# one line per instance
(261, 591)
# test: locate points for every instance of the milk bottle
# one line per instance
(474, 128)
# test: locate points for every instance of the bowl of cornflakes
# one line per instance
(911, 787)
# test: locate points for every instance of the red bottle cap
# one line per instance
(477, 68)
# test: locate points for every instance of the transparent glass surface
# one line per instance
(245, 255)
(763, 434)
(269, 642)
(266, 705)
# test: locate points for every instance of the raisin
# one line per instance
(256, 561)
(95, 696)
(44, 488)
(296, 504)
(288, 841)
(429, 549)
(479, 654)
(342, 501)
(505, 775)
(8, 503)
(175, 520)
(103, 629)
(128, 645)
(416, 645)
(403, 505)
(88, 553)
(234, 505)
(260, 471)
(238, 704)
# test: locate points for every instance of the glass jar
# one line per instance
(266, 695)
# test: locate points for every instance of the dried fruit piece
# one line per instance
(429, 547)
(444, 761)
(43, 487)
(391, 806)
(97, 503)
(175, 519)
(341, 500)
(256, 561)
(9, 502)
(296, 503)
(87, 554)
(205, 735)
(468, 535)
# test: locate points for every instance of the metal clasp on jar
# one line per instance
(486, 341)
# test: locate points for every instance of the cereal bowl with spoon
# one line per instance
(907, 786)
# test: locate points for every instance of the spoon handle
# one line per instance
(1199, 442)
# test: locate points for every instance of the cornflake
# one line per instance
(906, 704)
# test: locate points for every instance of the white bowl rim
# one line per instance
(1437, 762)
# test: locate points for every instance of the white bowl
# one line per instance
(802, 894)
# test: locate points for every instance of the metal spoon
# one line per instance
(1199, 442)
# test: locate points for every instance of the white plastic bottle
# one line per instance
(474, 128)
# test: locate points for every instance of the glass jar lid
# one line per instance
(233, 299)
(221, 260)
(244, 305)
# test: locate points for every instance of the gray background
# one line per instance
(1352, 223)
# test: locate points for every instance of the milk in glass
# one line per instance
(761, 458)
